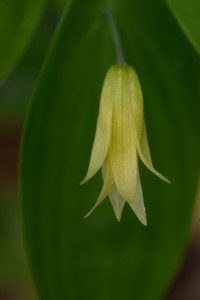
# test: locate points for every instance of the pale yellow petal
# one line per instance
(108, 182)
(137, 204)
(140, 135)
(135, 93)
(123, 148)
(137, 108)
(147, 163)
(103, 129)
(117, 202)
(145, 145)
(145, 156)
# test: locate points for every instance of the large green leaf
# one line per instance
(18, 20)
(187, 14)
(98, 258)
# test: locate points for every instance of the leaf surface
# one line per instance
(187, 14)
(18, 21)
(99, 258)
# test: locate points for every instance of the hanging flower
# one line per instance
(120, 139)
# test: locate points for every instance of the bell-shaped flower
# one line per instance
(120, 139)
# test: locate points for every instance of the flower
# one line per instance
(119, 140)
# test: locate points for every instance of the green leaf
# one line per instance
(98, 258)
(187, 14)
(60, 4)
(18, 21)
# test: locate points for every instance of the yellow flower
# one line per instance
(120, 138)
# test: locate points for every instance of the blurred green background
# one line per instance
(172, 59)
(15, 93)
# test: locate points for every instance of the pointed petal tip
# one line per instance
(154, 171)
(141, 215)
(142, 218)
(86, 216)
(117, 203)
(83, 181)
(148, 162)
(118, 218)
(89, 213)
(86, 178)
(118, 214)
(91, 210)
(165, 179)
(144, 222)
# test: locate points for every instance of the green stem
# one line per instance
(114, 34)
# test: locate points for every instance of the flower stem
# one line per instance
(114, 34)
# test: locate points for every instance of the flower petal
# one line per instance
(145, 145)
(103, 129)
(147, 163)
(117, 202)
(137, 204)
(135, 94)
(108, 182)
(140, 134)
(122, 147)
